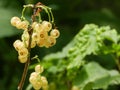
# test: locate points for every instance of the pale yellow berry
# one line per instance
(47, 26)
(34, 24)
(23, 25)
(18, 44)
(55, 33)
(37, 27)
(50, 42)
(44, 81)
(37, 85)
(35, 36)
(23, 52)
(25, 36)
(22, 59)
(15, 20)
(32, 79)
(33, 43)
(39, 69)
(41, 42)
(43, 34)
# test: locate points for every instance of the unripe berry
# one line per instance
(47, 26)
(22, 59)
(55, 33)
(15, 20)
(18, 44)
(39, 69)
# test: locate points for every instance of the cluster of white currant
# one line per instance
(43, 35)
(37, 80)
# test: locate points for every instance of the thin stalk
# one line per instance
(27, 63)
(30, 31)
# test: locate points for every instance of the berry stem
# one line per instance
(30, 31)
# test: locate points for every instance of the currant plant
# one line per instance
(38, 32)
(78, 67)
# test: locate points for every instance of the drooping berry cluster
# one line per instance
(37, 80)
(43, 35)
(37, 32)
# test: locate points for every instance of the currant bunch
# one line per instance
(37, 80)
(37, 32)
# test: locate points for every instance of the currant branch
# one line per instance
(35, 33)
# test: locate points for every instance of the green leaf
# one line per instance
(96, 76)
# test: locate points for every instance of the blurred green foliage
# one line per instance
(69, 16)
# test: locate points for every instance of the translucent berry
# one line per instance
(35, 36)
(55, 33)
(50, 42)
(34, 24)
(38, 27)
(22, 59)
(44, 81)
(39, 69)
(43, 34)
(15, 20)
(41, 42)
(23, 52)
(37, 85)
(23, 25)
(18, 44)
(47, 26)
(25, 36)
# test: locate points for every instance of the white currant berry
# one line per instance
(43, 34)
(47, 26)
(38, 27)
(35, 36)
(23, 52)
(39, 69)
(41, 42)
(18, 44)
(34, 24)
(33, 44)
(55, 33)
(23, 25)
(15, 20)
(25, 36)
(50, 42)
(22, 59)
(44, 81)
(37, 85)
